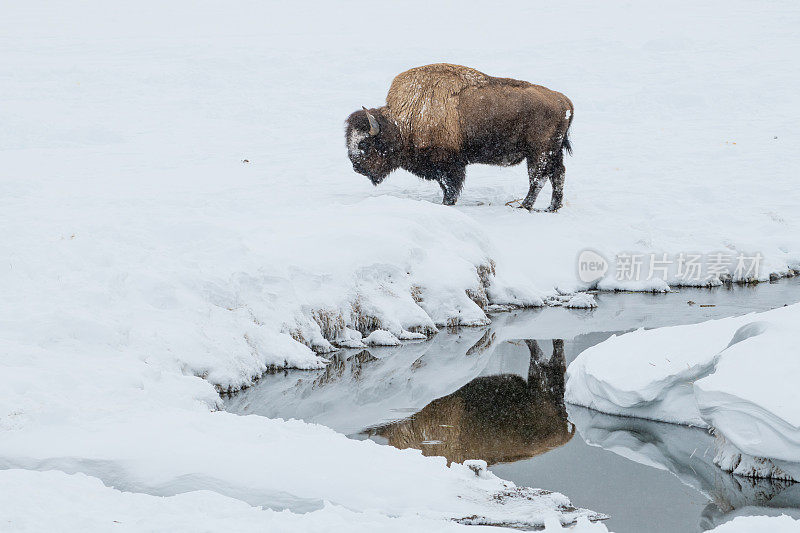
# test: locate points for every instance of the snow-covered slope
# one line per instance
(736, 375)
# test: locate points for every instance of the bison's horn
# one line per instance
(374, 128)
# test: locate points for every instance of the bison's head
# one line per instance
(372, 144)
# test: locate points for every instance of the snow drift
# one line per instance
(736, 376)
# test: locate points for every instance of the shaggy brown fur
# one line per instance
(439, 118)
(424, 102)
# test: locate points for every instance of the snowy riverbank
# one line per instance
(80, 503)
(133, 223)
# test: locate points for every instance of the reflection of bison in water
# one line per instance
(498, 418)
(440, 118)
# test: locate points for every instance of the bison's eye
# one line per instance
(363, 145)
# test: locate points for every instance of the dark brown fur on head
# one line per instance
(374, 156)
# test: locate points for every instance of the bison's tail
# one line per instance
(566, 145)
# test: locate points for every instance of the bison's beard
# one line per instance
(376, 171)
(374, 177)
(377, 179)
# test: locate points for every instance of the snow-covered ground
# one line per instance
(125, 132)
(78, 503)
(178, 214)
(737, 376)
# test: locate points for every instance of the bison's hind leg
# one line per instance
(547, 166)
(557, 173)
(537, 176)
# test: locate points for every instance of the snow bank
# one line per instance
(581, 301)
(81, 503)
(212, 300)
(77, 502)
(759, 524)
(736, 375)
(751, 398)
(271, 463)
(381, 337)
(649, 373)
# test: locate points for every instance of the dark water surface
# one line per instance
(496, 393)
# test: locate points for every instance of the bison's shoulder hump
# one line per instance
(424, 102)
(452, 76)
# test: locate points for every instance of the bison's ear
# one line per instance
(374, 128)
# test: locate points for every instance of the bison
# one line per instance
(440, 118)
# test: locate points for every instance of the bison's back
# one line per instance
(441, 105)
(513, 114)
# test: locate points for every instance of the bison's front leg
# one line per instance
(451, 180)
(537, 177)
